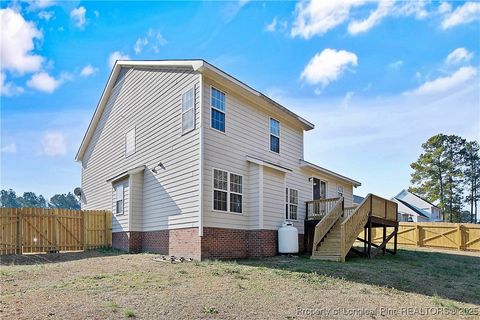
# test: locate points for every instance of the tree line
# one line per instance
(448, 172)
(9, 199)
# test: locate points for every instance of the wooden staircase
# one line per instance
(339, 228)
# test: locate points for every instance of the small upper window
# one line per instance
(188, 111)
(130, 143)
(119, 195)
(218, 110)
(274, 135)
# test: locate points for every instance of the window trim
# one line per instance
(183, 112)
(270, 134)
(288, 203)
(224, 111)
(116, 197)
(134, 129)
(228, 191)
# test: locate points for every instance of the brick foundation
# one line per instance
(216, 243)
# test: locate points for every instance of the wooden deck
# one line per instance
(331, 229)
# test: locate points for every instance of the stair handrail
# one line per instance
(353, 225)
(324, 225)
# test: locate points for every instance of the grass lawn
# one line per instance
(112, 285)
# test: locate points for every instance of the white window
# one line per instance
(340, 191)
(274, 135)
(188, 111)
(130, 143)
(217, 103)
(291, 204)
(119, 197)
(227, 191)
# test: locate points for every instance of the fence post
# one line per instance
(419, 237)
(54, 214)
(19, 249)
(459, 237)
(84, 231)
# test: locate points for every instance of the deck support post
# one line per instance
(384, 238)
(369, 253)
(395, 240)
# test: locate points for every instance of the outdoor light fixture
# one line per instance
(159, 165)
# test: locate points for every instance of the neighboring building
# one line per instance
(413, 208)
(357, 200)
(192, 162)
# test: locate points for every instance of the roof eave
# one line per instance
(304, 163)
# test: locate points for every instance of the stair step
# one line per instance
(329, 258)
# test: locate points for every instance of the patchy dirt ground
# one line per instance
(111, 285)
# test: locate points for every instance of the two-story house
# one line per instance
(193, 162)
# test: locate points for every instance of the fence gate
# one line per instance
(30, 230)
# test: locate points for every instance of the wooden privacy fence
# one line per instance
(455, 236)
(30, 230)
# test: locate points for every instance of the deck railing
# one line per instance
(347, 211)
(372, 205)
(317, 209)
(327, 222)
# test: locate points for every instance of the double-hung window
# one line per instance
(227, 191)
(188, 111)
(274, 135)
(291, 204)
(119, 196)
(218, 109)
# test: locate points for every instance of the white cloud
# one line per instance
(459, 55)
(444, 7)
(153, 38)
(383, 9)
(346, 100)
(156, 39)
(116, 55)
(272, 26)
(18, 43)
(39, 4)
(8, 89)
(445, 84)
(467, 13)
(9, 148)
(78, 16)
(46, 15)
(396, 65)
(88, 70)
(328, 66)
(54, 144)
(139, 44)
(317, 17)
(96, 13)
(44, 82)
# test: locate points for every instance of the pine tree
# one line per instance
(472, 176)
(438, 173)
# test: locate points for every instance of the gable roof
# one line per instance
(416, 195)
(198, 65)
(357, 199)
(415, 209)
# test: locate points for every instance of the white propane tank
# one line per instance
(287, 238)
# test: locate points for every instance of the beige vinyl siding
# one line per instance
(136, 200)
(148, 100)
(120, 220)
(247, 133)
(252, 207)
(273, 198)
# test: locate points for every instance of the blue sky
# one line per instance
(376, 77)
